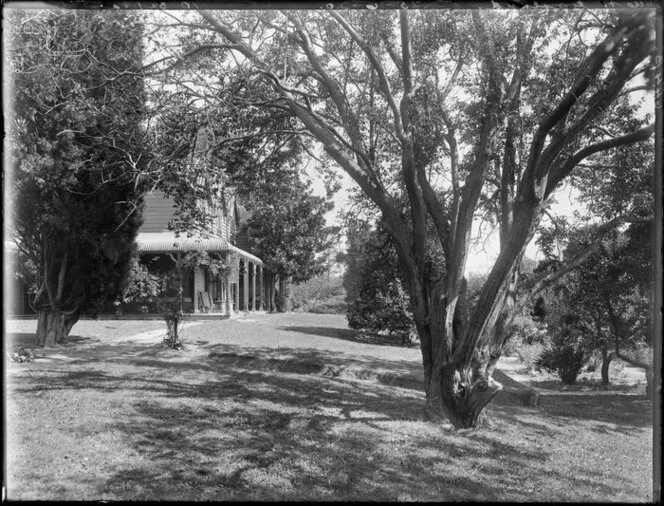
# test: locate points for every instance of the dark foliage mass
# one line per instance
(77, 147)
(375, 295)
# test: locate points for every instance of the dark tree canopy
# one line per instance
(77, 146)
(375, 295)
(288, 231)
(606, 305)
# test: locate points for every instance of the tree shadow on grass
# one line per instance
(276, 434)
(395, 372)
(615, 413)
(276, 429)
(251, 425)
(584, 386)
(622, 410)
(288, 444)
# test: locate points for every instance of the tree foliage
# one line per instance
(611, 291)
(77, 142)
(606, 304)
(289, 232)
(459, 115)
(375, 295)
(225, 137)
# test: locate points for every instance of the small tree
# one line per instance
(287, 229)
(569, 349)
(162, 289)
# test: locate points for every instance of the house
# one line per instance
(246, 286)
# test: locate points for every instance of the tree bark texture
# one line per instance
(53, 327)
(606, 362)
(283, 298)
(454, 391)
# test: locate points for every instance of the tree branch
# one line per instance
(383, 82)
(475, 179)
(588, 70)
(348, 118)
(407, 150)
(573, 264)
(563, 170)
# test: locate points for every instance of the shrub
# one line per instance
(511, 346)
(377, 300)
(593, 363)
(565, 358)
(523, 332)
(529, 353)
(387, 311)
(336, 305)
(20, 354)
(572, 345)
(156, 286)
(174, 316)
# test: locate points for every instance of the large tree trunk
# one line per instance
(53, 327)
(283, 298)
(454, 392)
(458, 395)
(606, 362)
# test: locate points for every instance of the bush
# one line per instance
(377, 300)
(173, 316)
(593, 363)
(336, 305)
(511, 347)
(20, 354)
(523, 332)
(529, 354)
(387, 311)
(572, 344)
(565, 358)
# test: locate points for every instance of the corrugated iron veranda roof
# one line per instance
(167, 242)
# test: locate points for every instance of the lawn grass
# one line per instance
(236, 417)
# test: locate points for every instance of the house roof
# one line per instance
(167, 242)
